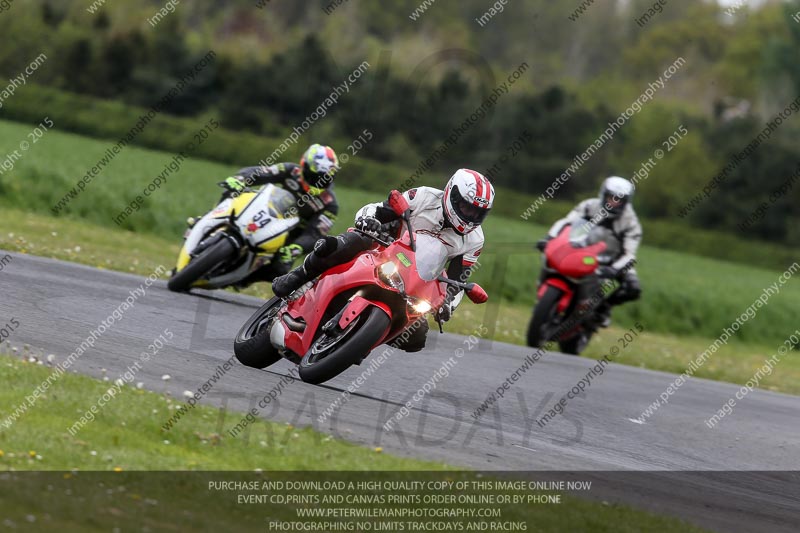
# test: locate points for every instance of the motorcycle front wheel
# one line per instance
(543, 314)
(201, 265)
(330, 355)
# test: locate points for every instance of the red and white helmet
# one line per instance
(467, 200)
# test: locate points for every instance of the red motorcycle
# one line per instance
(570, 290)
(335, 322)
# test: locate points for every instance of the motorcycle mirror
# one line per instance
(397, 202)
(476, 294)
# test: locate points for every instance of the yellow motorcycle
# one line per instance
(239, 236)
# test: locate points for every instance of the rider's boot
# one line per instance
(603, 314)
(312, 267)
(283, 286)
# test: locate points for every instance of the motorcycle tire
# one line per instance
(252, 346)
(350, 347)
(543, 313)
(576, 344)
(201, 265)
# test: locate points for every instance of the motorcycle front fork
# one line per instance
(588, 297)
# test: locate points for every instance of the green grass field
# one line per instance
(687, 300)
(126, 436)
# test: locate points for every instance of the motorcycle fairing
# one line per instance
(356, 306)
(563, 286)
(353, 276)
(264, 241)
(569, 260)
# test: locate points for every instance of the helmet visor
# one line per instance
(466, 210)
(317, 181)
(613, 203)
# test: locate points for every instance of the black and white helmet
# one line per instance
(615, 194)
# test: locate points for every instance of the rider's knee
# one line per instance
(414, 338)
(412, 347)
(326, 246)
(634, 290)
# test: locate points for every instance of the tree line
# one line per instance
(525, 141)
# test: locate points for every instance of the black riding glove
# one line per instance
(368, 225)
(542, 243)
(444, 313)
(608, 272)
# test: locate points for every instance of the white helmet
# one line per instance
(615, 194)
(467, 200)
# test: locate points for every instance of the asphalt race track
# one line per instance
(58, 304)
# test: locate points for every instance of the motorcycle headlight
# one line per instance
(419, 305)
(388, 274)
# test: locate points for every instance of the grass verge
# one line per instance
(126, 436)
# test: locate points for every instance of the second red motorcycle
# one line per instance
(569, 289)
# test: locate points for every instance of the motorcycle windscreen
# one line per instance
(582, 235)
(431, 256)
(271, 213)
(587, 234)
(282, 202)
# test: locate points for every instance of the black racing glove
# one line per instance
(369, 225)
(444, 313)
(541, 243)
(609, 272)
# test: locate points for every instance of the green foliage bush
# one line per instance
(112, 120)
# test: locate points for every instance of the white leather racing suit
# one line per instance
(626, 228)
(626, 231)
(427, 217)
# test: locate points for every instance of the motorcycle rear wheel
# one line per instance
(543, 313)
(201, 265)
(330, 356)
(252, 346)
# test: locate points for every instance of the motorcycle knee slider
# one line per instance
(634, 293)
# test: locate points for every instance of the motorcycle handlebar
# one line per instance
(382, 239)
(474, 291)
